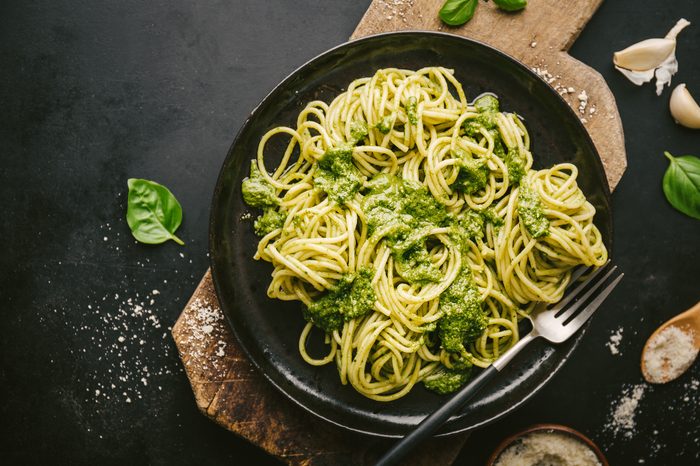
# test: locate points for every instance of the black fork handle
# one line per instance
(433, 422)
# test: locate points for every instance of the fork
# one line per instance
(555, 324)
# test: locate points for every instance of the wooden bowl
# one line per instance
(547, 428)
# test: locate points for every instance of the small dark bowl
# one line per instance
(549, 428)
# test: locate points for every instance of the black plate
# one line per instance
(268, 329)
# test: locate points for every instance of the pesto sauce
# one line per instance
(463, 319)
(384, 126)
(257, 191)
(269, 221)
(485, 120)
(470, 224)
(429, 327)
(413, 263)
(489, 216)
(403, 205)
(447, 380)
(488, 107)
(498, 147)
(487, 103)
(358, 131)
(337, 175)
(403, 211)
(531, 212)
(352, 297)
(473, 174)
(411, 110)
(515, 162)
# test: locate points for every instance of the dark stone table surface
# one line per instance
(96, 92)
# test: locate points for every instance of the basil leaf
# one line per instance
(457, 12)
(153, 213)
(510, 5)
(682, 184)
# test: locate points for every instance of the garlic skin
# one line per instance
(665, 72)
(637, 77)
(684, 109)
(650, 58)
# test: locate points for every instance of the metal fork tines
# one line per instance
(558, 322)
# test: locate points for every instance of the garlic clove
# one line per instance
(645, 55)
(684, 108)
(650, 58)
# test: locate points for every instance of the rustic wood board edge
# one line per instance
(227, 388)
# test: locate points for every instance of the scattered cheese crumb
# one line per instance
(582, 101)
(544, 74)
(396, 9)
(207, 325)
(563, 90)
(622, 420)
(123, 334)
(614, 343)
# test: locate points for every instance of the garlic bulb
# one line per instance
(651, 58)
(684, 108)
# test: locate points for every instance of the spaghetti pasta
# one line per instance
(413, 229)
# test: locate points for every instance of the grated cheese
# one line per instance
(670, 353)
(622, 420)
(547, 448)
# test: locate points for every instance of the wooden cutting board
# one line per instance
(227, 387)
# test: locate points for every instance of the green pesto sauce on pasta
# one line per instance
(531, 212)
(462, 319)
(269, 221)
(447, 380)
(352, 297)
(337, 175)
(413, 229)
(257, 191)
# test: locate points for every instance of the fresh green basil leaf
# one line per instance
(682, 184)
(457, 12)
(510, 5)
(153, 213)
